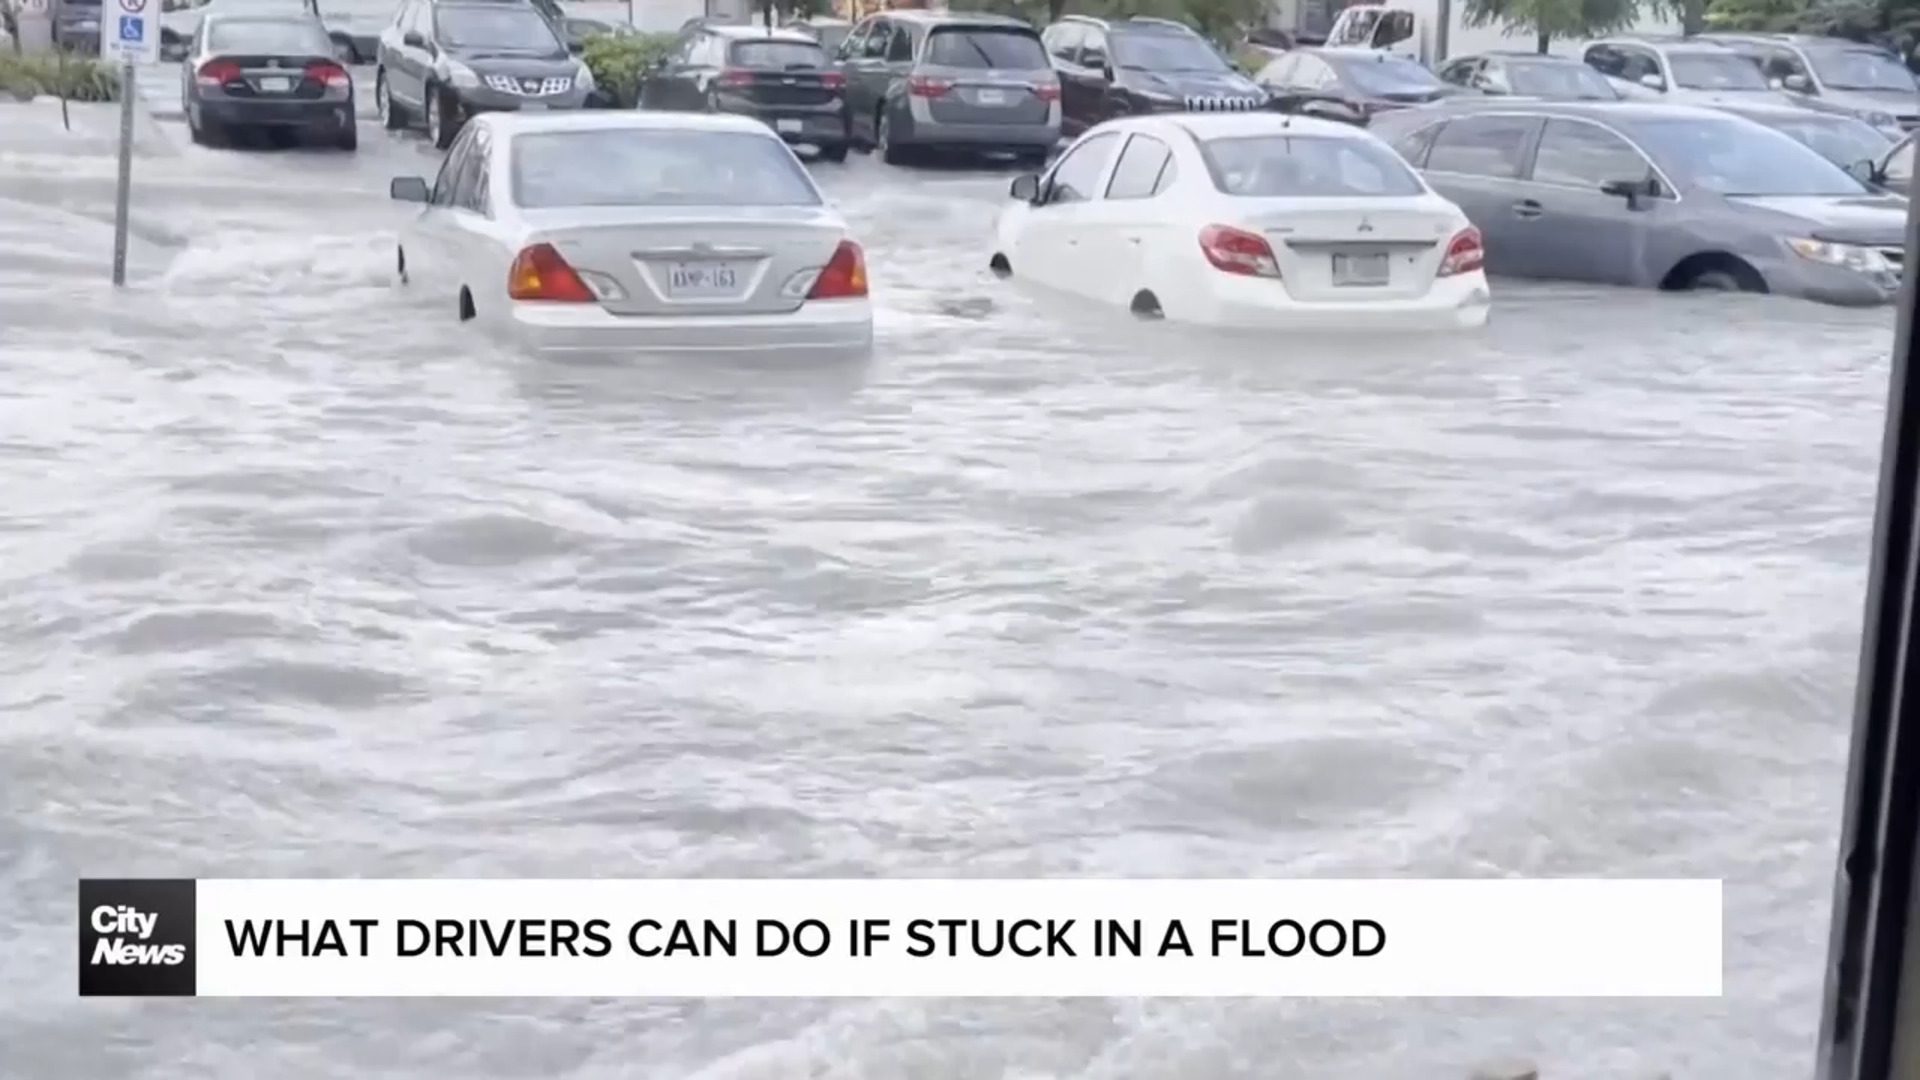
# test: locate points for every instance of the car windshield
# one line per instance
(1559, 81)
(1387, 76)
(777, 54)
(267, 37)
(503, 28)
(1008, 50)
(1840, 139)
(1716, 71)
(1731, 156)
(1307, 166)
(1152, 51)
(1860, 69)
(638, 167)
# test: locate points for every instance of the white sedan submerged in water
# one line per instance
(608, 232)
(1246, 220)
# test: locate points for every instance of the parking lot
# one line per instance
(301, 578)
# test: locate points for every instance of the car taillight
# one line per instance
(1237, 251)
(845, 275)
(330, 74)
(1046, 91)
(1465, 253)
(832, 80)
(217, 72)
(734, 77)
(541, 273)
(922, 86)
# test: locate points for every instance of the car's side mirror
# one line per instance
(1631, 190)
(1026, 188)
(1799, 84)
(576, 46)
(408, 189)
(413, 40)
(1653, 82)
(1106, 72)
(1866, 172)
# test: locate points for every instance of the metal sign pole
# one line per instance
(123, 191)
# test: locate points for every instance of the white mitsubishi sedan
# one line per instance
(1246, 220)
(610, 232)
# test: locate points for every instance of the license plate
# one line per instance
(276, 86)
(1360, 270)
(703, 280)
(788, 127)
(990, 97)
(534, 106)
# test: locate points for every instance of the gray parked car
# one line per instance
(1868, 82)
(1527, 74)
(1843, 140)
(1655, 196)
(442, 61)
(956, 81)
(1680, 70)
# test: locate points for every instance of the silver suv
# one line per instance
(1681, 71)
(958, 81)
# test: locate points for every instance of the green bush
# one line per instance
(77, 78)
(619, 62)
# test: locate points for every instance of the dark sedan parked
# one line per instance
(266, 71)
(1534, 75)
(781, 77)
(1351, 85)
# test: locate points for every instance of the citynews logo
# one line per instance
(119, 950)
(136, 938)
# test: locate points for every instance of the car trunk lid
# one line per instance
(1357, 249)
(691, 261)
(273, 78)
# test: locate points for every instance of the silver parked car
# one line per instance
(1865, 81)
(614, 231)
(949, 80)
(1655, 196)
(1680, 70)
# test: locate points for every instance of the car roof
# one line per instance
(1624, 111)
(760, 33)
(978, 18)
(1756, 110)
(1138, 22)
(509, 124)
(1351, 52)
(1525, 54)
(1225, 125)
(1667, 44)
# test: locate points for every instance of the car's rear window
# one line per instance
(638, 167)
(268, 37)
(1307, 166)
(1009, 49)
(777, 54)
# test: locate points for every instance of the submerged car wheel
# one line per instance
(883, 140)
(440, 128)
(1716, 273)
(390, 115)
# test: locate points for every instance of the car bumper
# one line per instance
(483, 100)
(1825, 284)
(821, 126)
(828, 327)
(1461, 302)
(917, 132)
(306, 114)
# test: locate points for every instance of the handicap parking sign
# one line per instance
(132, 29)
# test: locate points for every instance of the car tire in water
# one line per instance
(440, 130)
(890, 152)
(834, 153)
(1725, 276)
(391, 118)
(347, 138)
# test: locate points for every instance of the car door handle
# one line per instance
(1528, 208)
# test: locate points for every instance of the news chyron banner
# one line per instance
(919, 938)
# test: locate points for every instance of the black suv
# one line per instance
(1120, 67)
(444, 60)
(780, 77)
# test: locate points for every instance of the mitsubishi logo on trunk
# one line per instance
(1364, 226)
